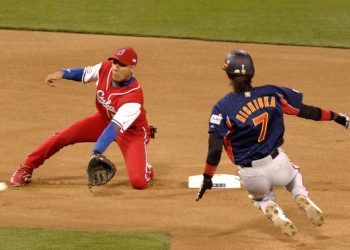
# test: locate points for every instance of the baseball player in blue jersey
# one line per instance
(249, 123)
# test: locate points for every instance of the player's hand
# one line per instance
(206, 184)
(343, 119)
(51, 78)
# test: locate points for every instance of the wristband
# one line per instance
(209, 169)
(326, 115)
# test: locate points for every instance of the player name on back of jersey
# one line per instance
(254, 105)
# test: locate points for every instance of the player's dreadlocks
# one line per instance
(241, 83)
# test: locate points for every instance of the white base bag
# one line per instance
(219, 181)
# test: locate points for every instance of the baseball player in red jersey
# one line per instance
(121, 117)
(249, 123)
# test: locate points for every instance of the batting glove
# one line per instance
(343, 119)
(206, 184)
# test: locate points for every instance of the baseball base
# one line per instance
(3, 186)
(219, 181)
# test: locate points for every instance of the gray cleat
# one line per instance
(275, 214)
(313, 212)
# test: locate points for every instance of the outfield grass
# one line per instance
(298, 22)
(40, 239)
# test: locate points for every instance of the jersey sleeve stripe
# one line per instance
(118, 124)
(287, 108)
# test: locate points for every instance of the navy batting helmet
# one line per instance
(239, 63)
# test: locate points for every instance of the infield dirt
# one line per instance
(182, 80)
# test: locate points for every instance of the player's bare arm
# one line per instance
(52, 78)
(85, 74)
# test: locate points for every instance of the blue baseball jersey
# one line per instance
(251, 123)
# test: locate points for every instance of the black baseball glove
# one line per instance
(206, 184)
(342, 119)
(100, 170)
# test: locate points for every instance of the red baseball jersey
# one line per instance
(123, 105)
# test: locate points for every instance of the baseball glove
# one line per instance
(100, 170)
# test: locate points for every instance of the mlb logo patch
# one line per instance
(216, 119)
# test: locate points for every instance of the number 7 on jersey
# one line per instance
(263, 119)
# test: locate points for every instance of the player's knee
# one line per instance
(138, 183)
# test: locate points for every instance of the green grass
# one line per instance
(297, 22)
(42, 239)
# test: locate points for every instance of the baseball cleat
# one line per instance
(22, 176)
(313, 212)
(150, 171)
(283, 224)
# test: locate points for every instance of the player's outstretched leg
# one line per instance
(276, 215)
(86, 130)
(313, 212)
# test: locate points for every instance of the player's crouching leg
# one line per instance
(142, 182)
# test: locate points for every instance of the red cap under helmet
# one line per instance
(126, 56)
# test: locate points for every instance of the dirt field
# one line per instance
(182, 80)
